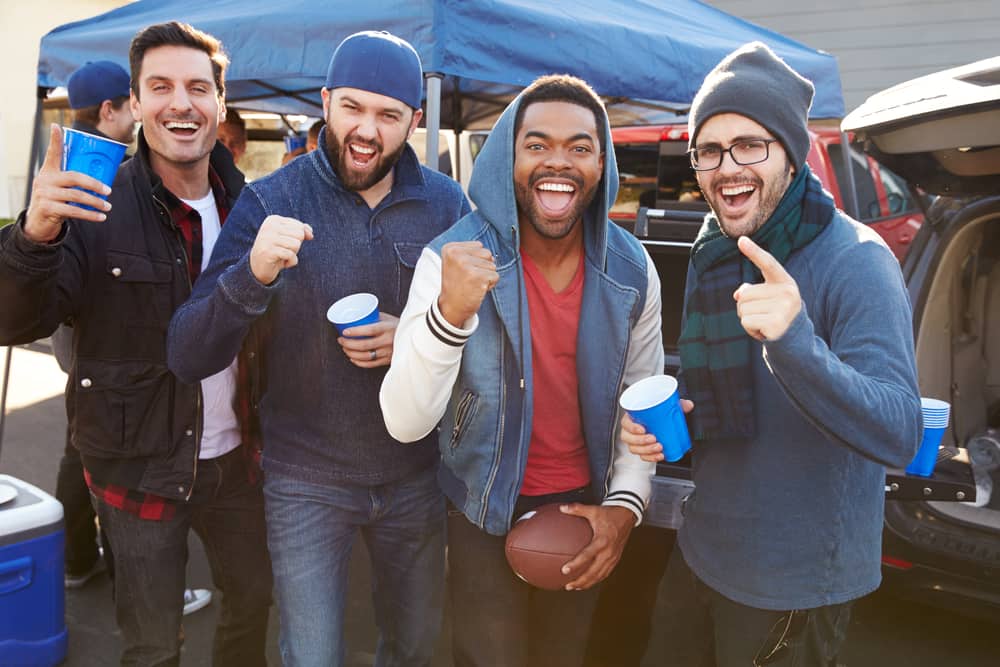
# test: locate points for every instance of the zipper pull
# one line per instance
(520, 289)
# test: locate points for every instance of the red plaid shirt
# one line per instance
(148, 505)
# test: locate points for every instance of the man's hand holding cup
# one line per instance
(52, 191)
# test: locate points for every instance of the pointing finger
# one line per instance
(770, 268)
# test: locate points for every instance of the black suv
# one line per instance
(942, 133)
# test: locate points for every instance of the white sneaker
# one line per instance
(195, 599)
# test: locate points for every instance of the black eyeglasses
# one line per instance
(749, 151)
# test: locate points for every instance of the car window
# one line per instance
(898, 194)
(636, 177)
(868, 203)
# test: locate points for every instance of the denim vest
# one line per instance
(486, 429)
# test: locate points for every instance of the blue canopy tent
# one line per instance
(652, 54)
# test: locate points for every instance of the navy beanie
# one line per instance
(95, 82)
(754, 82)
(378, 62)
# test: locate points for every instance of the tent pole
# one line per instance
(433, 123)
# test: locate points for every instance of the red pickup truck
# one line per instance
(654, 172)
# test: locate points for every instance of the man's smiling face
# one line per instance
(558, 164)
(178, 104)
(743, 197)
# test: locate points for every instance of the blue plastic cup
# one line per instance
(655, 404)
(294, 142)
(935, 414)
(923, 463)
(91, 155)
(353, 311)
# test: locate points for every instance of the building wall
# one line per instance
(22, 25)
(879, 43)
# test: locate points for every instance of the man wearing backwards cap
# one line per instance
(98, 95)
(352, 216)
(797, 355)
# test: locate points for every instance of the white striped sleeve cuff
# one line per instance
(629, 500)
(444, 330)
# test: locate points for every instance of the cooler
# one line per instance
(32, 602)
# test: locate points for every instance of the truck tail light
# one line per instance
(897, 563)
(674, 134)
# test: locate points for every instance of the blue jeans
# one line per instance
(311, 530)
(226, 510)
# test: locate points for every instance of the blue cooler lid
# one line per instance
(27, 512)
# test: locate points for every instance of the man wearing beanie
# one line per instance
(351, 216)
(797, 360)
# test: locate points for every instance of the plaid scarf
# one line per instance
(714, 348)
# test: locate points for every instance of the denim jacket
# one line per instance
(319, 413)
(481, 389)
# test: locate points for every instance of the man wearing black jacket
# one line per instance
(160, 456)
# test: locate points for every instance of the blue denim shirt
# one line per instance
(320, 416)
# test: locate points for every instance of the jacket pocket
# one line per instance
(407, 255)
(122, 409)
(141, 286)
(465, 411)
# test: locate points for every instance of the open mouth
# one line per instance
(736, 196)
(182, 128)
(555, 197)
(362, 155)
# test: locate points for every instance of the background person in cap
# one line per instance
(351, 216)
(162, 457)
(797, 353)
(98, 96)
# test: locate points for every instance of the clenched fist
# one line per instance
(468, 272)
(277, 247)
(53, 188)
(766, 309)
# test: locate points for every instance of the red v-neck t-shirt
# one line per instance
(557, 454)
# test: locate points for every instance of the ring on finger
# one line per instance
(374, 355)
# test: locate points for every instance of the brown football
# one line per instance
(542, 541)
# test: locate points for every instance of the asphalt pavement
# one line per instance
(883, 631)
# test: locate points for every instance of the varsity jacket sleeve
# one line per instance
(630, 484)
(858, 384)
(427, 354)
(206, 332)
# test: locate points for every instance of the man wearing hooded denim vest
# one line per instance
(797, 354)
(350, 217)
(523, 324)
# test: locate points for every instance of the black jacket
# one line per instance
(119, 282)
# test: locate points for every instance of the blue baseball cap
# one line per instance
(95, 82)
(378, 62)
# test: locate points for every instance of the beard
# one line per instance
(770, 196)
(529, 208)
(353, 179)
